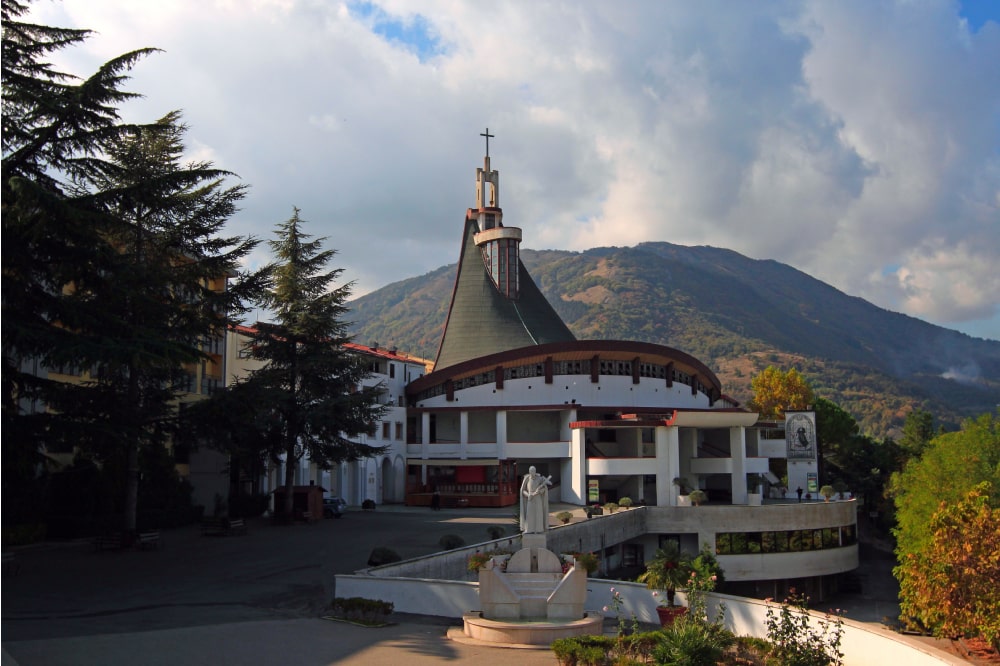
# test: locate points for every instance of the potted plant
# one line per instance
(754, 496)
(625, 502)
(665, 573)
(564, 517)
(827, 492)
(683, 488)
(698, 496)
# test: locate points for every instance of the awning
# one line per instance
(454, 462)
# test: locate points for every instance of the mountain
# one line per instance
(736, 314)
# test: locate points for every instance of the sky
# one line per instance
(856, 140)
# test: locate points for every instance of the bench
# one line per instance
(237, 526)
(109, 541)
(147, 540)
(10, 564)
(213, 527)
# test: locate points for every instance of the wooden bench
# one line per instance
(147, 540)
(213, 527)
(237, 526)
(10, 565)
(109, 541)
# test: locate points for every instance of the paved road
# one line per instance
(249, 599)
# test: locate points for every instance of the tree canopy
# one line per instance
(946, 507)
(308, 397)
(117, 277)
(775, 391)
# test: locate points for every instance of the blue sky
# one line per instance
(856, 140)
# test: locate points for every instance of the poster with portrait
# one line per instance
(800, 435)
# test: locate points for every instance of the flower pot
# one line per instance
(669, 614)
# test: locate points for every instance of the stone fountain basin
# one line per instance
(530, 632)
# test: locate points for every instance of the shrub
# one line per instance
(495, 531)
(625, 502)
(797, 641)
(589, 561)
(368, 505)
(698, 496)
(359, 609)
(611, 507)
(478, 560)
(382, 555)
(451, 541)
(564, 517)
(692, 643)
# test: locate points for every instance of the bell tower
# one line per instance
(499, 245)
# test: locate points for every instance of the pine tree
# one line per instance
(114, 266)
(54, 124)
(310, 389)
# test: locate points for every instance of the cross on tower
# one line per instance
(488, 136)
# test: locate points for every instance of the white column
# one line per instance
(667, 444)
(738, 451)
(463, 435)
(574, 470)
(425, 434)
(501, 435)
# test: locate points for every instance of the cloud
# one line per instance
(858, 141)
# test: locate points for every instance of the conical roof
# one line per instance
(483, 321)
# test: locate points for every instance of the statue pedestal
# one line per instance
(533, 540)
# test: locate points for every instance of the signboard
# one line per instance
(800, 435)
(812, 483)
(593, 490)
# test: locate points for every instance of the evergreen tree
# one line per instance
(54, 124)
(114, 269)
(308, 396)
(918, 431)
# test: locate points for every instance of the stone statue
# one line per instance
(535, 502)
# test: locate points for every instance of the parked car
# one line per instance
(334, 507)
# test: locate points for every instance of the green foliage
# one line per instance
(478, 560)
(451, 541)
(304, 400)
(688, 642)
(110, 245)
(950, 585)
(589, 561)
(697, 496)
(611, 507)
(564, 517)
(800, 640)
(951, 465)
(668, 571)
(358, 609)
(625, 502)
(918, 431)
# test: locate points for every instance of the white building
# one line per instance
(380, 478)
(606, 419)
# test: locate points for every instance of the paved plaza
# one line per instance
(254, 599)
(259, 598)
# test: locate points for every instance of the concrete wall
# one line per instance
(863, 644)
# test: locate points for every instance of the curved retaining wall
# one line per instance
(863, 644)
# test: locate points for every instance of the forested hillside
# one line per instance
(736, 314)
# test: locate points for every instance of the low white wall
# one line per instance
(863, 644)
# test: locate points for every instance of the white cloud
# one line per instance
(857, 140)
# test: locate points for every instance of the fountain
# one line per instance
(531, 598)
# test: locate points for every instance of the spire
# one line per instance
(495, 305)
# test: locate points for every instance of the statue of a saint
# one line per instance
(535, 502)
